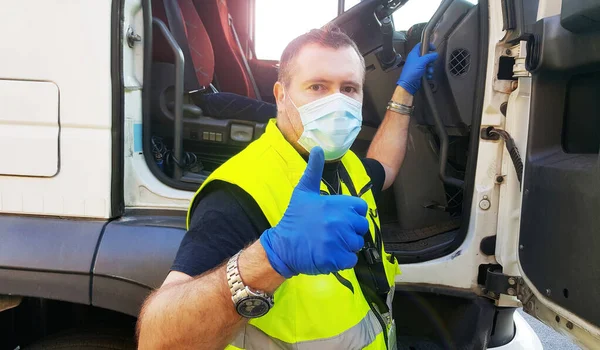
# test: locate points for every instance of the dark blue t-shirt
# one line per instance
(227, 219)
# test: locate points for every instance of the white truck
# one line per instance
(107, 129)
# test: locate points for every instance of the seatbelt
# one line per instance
(246, 65)
(176, 26)
(369, 269)
(252, 48)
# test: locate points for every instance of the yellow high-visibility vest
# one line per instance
(310, 312)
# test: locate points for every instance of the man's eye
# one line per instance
(316, 87)
(349, 89)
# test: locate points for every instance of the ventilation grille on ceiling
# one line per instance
(460, 61)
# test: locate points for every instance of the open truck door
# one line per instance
(556, 243)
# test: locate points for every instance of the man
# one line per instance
(281, 254)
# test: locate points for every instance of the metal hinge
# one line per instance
(505, 290)
(519, 52)
(132, 37)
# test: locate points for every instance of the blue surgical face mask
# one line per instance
(332, 122)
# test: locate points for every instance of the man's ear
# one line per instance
(279, 93)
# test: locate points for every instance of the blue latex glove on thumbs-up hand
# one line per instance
(317, 234)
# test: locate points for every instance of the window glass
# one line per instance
(277, 22)
(416, 11)
(348, 4)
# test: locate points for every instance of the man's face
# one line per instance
(317, 71)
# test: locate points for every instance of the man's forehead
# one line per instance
(315, 61)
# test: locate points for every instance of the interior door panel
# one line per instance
(455, 73)
(560, 225)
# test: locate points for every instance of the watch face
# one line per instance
(252, 307)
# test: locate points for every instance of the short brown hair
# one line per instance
(328, 36)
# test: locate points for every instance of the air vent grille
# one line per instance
(460, 62)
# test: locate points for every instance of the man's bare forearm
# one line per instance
(389, 144)
(199, 313)
(196, 314)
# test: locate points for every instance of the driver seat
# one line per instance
(206, 110)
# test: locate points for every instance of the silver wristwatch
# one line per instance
(400, 108)
(248, 303)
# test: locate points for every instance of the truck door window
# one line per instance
(416, 11)
(348, 4)
(277, 22)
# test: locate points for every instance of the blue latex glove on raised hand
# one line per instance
(415, 67)
(317, 234)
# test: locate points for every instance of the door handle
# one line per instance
(179, 66)
(439, 125)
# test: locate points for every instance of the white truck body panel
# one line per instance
(67, 44)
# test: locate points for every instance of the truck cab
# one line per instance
(113, 113)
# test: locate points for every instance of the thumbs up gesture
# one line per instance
(317, 234)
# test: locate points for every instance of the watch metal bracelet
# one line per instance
(236, 285)
(238, 290)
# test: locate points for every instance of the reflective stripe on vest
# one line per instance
(357, 337)
(313, 310)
